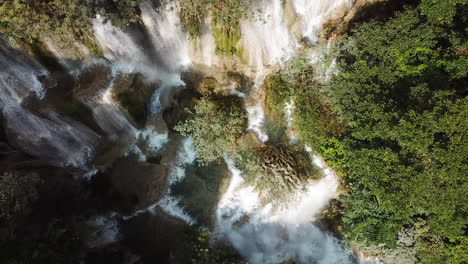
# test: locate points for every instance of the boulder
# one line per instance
(139, 184)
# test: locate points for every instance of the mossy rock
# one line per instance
(227, 40)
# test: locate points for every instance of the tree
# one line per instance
(214, 126)
(401, 89)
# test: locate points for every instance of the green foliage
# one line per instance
(402, 91)
(204, 254)
(225, 15)
(58, 241)
(214, 126)
(277, 170)
(314, 117)
(192, 15)
(66, 21)
(441, 11)
(29, 236)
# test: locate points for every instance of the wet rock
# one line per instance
(201, 190)
(139, 184)
(134, 94)
(222, 83)
(159, 238)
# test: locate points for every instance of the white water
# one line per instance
(19, 75)
(313, 14)
(256, 117)
(272, 235)
(52, 138)
(108, 114)
(49, 136)
(288, 114)
(170, 204)
(203, 49)
(167, 36)
(154, 140)
(266, 39)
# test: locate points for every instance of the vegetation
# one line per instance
(401, 95)
(394, 122)
(214, 126)
(314, 117)
(204, 254)
(30, 236)
(66, 21)
(225, 16)
(276, 171)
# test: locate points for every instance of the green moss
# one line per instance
(227, 40)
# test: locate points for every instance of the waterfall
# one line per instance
(266, 39)
(169, 41)
(202, 50)
(19, 76)
(314, 12)
(288, 115)
(46, 135)
(170, 204)
(270, 234)
(120, 48)
(186, 155)
(107, 113)
(256, 117)
(53, 138)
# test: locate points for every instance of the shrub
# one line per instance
(214, 125)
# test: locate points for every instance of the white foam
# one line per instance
(314, 12)
(256, 118)
(266, 39)
(273, 234)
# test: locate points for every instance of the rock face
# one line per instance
(221, 82)
(201, 190)
(139, 184)
(134, 95)
(159, 238)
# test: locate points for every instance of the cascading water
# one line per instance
(167, 36)
(58, 140)
(272, 234)
(20, 75)
(314, 12)
(186, 155)
(170, 204)
(49, 136)
(262, 233)
(107, 112)
(266, 38)
(105, 230)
